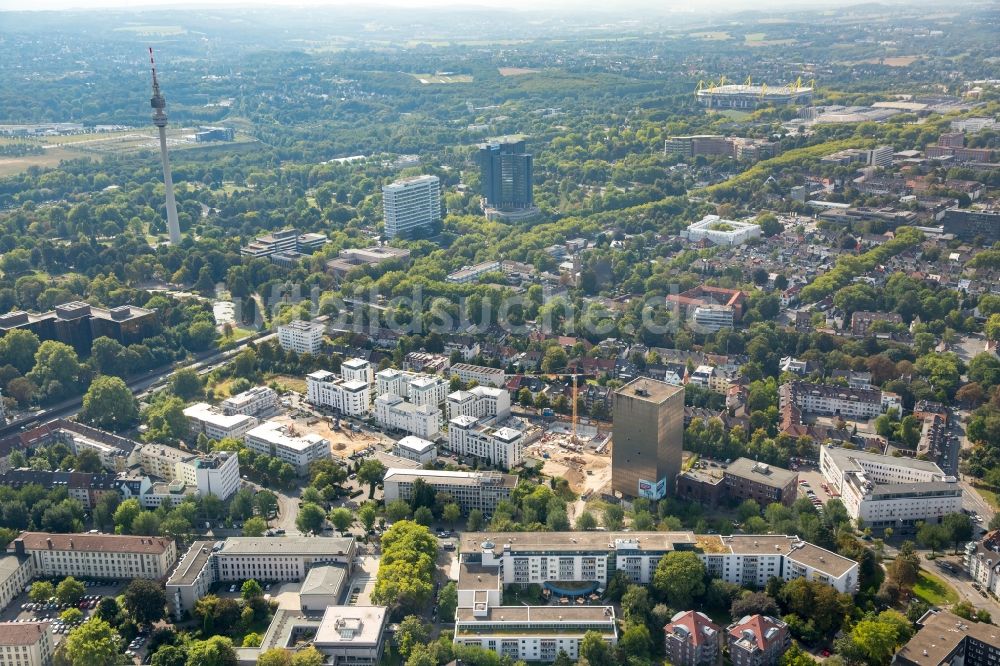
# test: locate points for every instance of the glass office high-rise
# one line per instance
(505, 174)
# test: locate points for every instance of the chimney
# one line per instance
(49, 542)
(19, 548)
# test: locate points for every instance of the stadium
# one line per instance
(749, 96)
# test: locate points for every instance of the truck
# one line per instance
(547, 411)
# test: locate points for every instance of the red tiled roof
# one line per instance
(108, 543)
(694, 622)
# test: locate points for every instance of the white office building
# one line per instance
(712, 317)
(722, 232)
(352, 635)
(204, 418)
(420, 389)
(26, 644)
(470, 490)
(480, 402)
(301, 337)
(252, 402)
(15, 575)
(481, 374)
(283, 559)
(884, 491)
(411, 204)
(501, 447)
(351, 397)
(832, 400)
(880, 156)
(96, 555)
(422, 420)
(209, 474)
(275, 439)
(415, 449)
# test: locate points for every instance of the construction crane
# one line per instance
(575, 375)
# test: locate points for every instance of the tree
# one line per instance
(595, 650)
(342, 519)
(57, 371)
(614, 517)
(216, 651)
(71, 616)
(146, 523)
(108, 610)
(933, 536)
(424, 516)
(754, 603)
(70, 591)
(18, 348)
(275, 657)
(878, 638)
(475, 521)
(109, 404)
(586, 521)
(254, 527)
(253, 639)
(126, 514)
(41, 591)
(635, 640)
(186, 384)
(93, 643)
(308, 657)
(169, 655)
(635, 604)
(367, 515)
(87, 460)
(796, 656)
(250, 590)
(554, 360)
(165, 421)
(145, 601)
(412, 632)
(397, 510)
(448, 601)
(266, 503)
(311, 518)
(959, 527)
(905, 569)
(451, 513)
(769, 224)
(680, 577)
(372, 471)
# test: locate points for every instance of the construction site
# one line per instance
(583, 458)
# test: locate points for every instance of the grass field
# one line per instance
(991, 497)
(296, 384)
(427, 79)
(934, 590)
(711, 36)
(516, 71)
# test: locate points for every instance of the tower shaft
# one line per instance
(159, 104)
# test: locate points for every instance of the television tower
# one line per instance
(160, 120)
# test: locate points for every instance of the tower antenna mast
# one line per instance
(159, 104)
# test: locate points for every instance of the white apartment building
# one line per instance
(722, 232)
(546, 558)
(501, 447)
(422, 420)
(470, 490)
(15, 575)
(350, 396)
(204, 418)
(410, 204)
(480, 402)
(884, 491)
(831, 400)
(481, 374)
(710, 377)
(416, 449)
(357, 370)
(274, 439)
(712, 317)
(213, 474)
(301, 337)
(26, 644)
(96, 555)
(420, 389)
(982, 562)
(262, 558)
(252, 402)
(880, 156)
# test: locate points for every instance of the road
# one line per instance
(149, 382)
(962, 583)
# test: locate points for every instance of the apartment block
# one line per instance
(392, 412)
(415, 449)
(96, 555)
(831, 400)
(470, 490)
(982, 562)
(419, 389)
(210, 474)
(945, 639)
(357, 370)
(411, 205)
(26, 644)
(204, 418)
(502, 447)
(301, 337)
(480, 402)
(757, 640)
(252, 402)
(692, 639)
(236, 559)
(15, 575)
(349, 397)
(483, 375)
(279, 440)
(885, 491)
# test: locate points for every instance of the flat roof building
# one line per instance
(277, 439)
(722, 232)
(470, 490)
(205, 418)
(945, 639)
(352, 635)
(411, 205)
(416, 449)
(301, 337)
(648, 434)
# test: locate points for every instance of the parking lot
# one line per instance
(22, 609)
